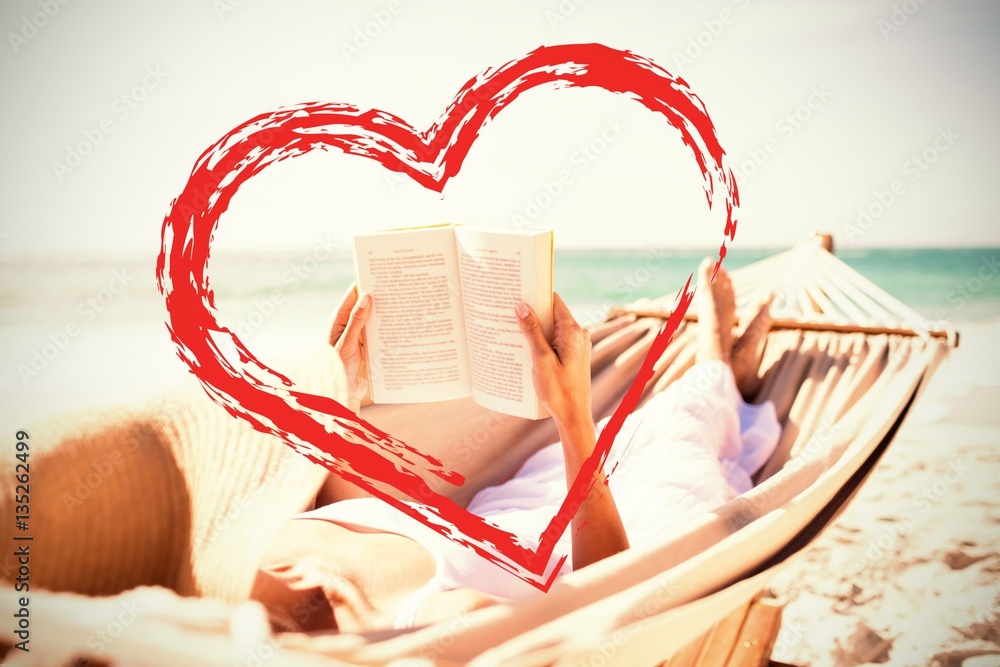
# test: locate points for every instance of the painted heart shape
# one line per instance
(320, 428)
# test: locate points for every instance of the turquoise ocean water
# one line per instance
(76, 332)
(953, 284)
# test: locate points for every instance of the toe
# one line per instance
(705, 271)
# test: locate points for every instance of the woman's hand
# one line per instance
(560, 371)
(561, 375)
(345, 337)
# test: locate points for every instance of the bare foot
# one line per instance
(748, 351)
(716, 313)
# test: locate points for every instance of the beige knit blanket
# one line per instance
(171, 492)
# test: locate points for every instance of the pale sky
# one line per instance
(873, 89)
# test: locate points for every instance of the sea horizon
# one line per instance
(955, 284)
(343, 250)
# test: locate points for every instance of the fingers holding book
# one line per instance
(341, 318)
(345, 336)
(560, 370)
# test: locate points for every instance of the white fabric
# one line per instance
(687, 451)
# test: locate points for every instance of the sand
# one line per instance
(909, 574)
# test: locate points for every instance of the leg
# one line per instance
(748, 351)
(716, 314)
(716, 319)
(682, 454)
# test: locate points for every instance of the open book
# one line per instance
(443, 324)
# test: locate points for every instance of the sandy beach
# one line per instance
(909, 574)
(249, 144)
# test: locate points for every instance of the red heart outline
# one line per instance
(318, 427)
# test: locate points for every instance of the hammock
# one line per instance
(179, 495)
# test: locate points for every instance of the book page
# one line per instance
(415, 339)
(499, 268)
